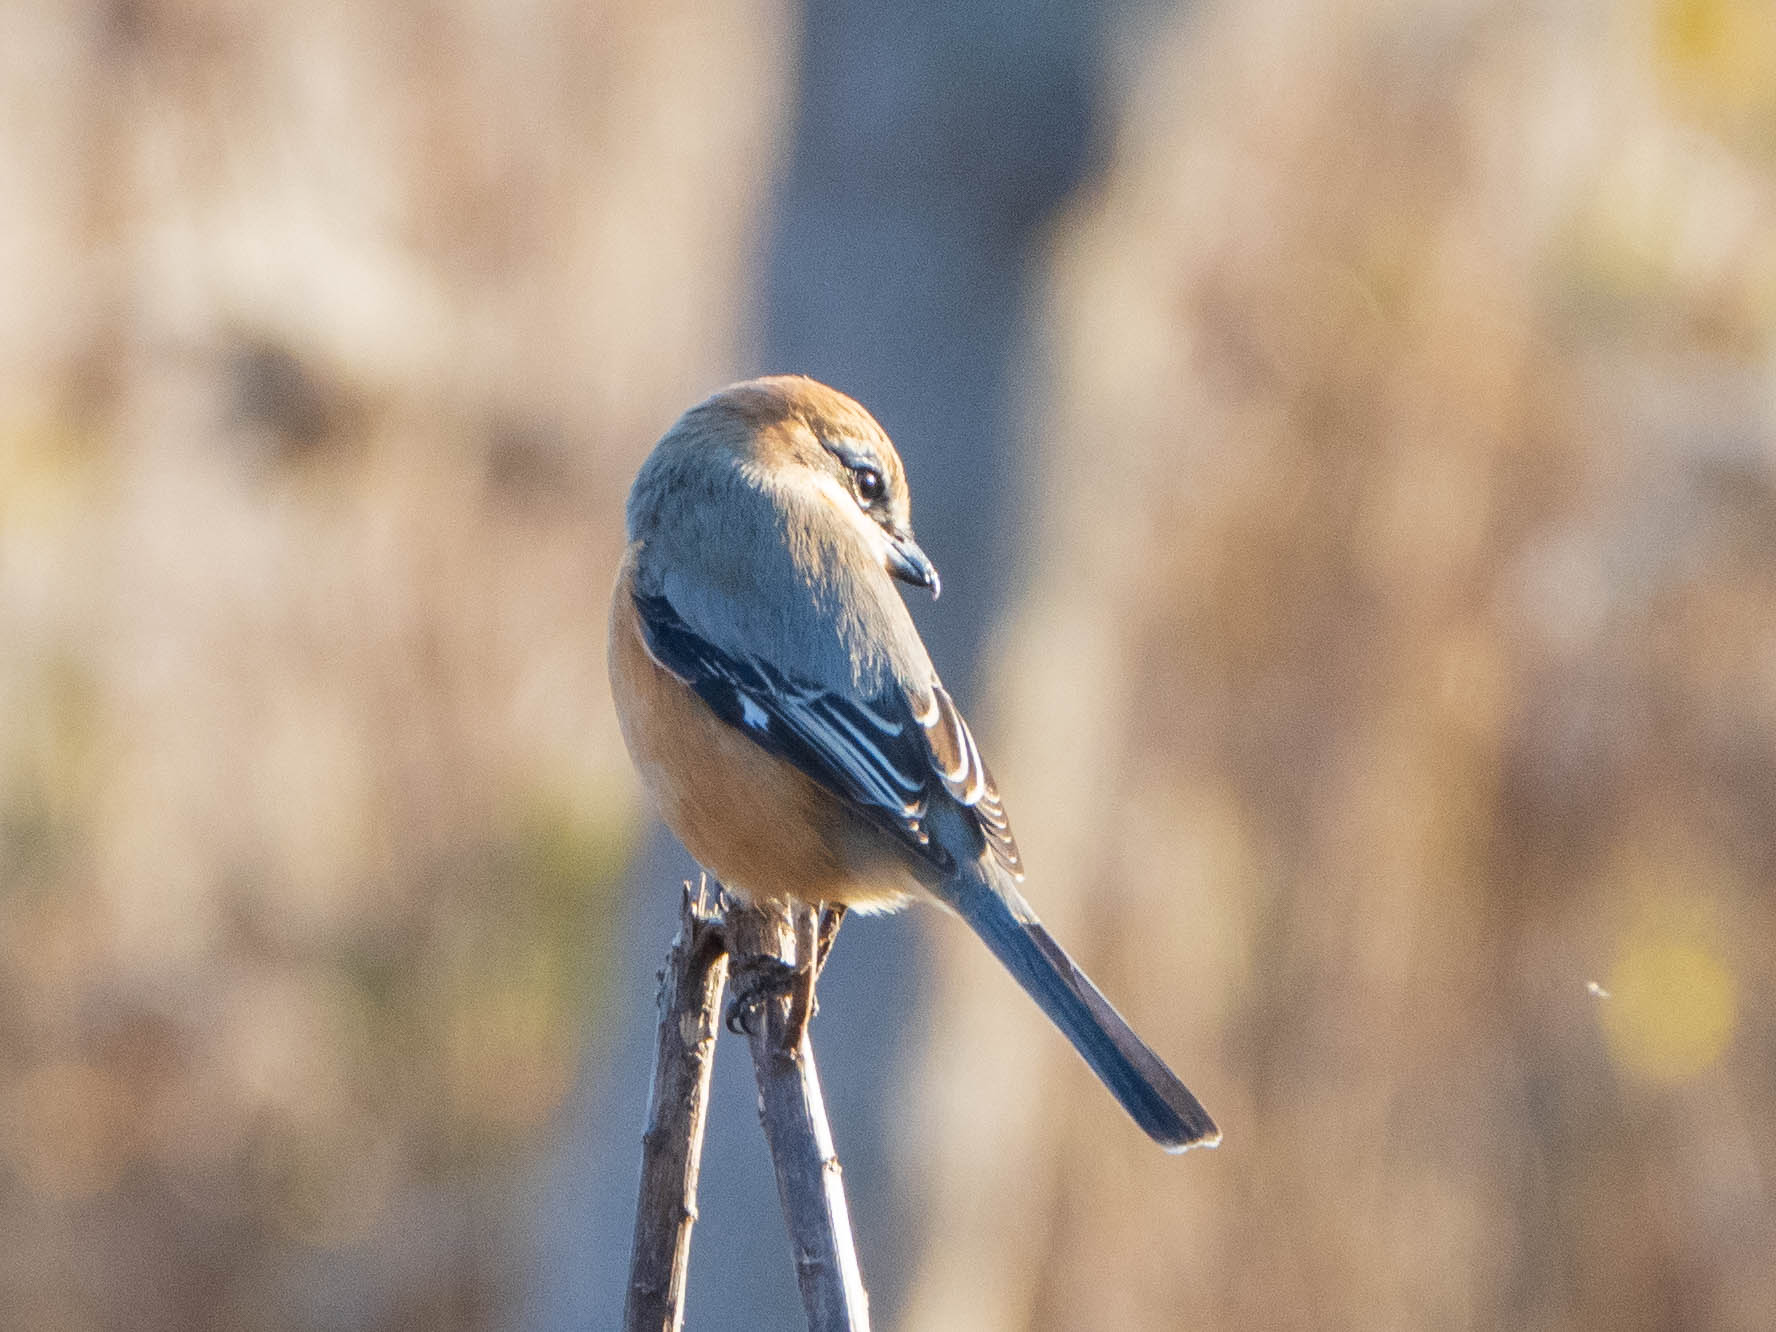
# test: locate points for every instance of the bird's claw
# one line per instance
(763, 980)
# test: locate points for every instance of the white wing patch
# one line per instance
(957, 761)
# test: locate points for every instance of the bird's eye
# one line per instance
(870, 486)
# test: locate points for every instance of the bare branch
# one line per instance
(809, 1182)
(672, 1145)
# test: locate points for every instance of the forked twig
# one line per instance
(810, 1184)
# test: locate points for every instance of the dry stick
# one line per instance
(672, 1145)
(809, 1181)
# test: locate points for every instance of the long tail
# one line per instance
(1137, 1077)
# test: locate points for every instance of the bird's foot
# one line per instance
(761, 981)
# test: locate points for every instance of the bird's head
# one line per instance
(789, 430)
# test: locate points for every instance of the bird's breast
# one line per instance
(766, 830)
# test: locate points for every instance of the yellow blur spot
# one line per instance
(1672, 1009)
(1720, 55)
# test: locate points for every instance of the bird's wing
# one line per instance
(958, 763)
(879, 753)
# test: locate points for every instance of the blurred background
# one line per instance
(1348, 434)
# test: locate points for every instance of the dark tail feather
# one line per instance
(1137, 1077)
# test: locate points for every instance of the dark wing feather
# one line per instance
(871, 753)
(878, 753)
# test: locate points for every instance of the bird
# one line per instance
(786, 718)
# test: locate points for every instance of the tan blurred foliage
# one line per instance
(331, 334)
(1389, 716)
(1390, 720)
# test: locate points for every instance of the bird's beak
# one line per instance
(911, 565)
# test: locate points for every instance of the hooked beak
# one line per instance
(908, 563)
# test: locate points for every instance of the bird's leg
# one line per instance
(832, 915)
(807, 970)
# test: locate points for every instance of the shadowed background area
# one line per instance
(1349, 439)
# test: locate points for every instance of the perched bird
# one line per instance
(787, 719)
